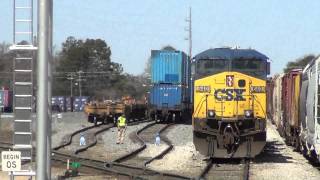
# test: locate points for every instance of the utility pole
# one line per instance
(189, 29)
(80, 83)
(71, 78)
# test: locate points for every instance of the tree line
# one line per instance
(82, 65)
(87, 66)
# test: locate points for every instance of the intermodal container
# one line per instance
(167, 96)
(60, 102)
(169, 67)
(69, 104)
(79, 103)
(6, 100)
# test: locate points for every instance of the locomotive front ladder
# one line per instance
(24, 50)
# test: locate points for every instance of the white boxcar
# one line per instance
(310, 109)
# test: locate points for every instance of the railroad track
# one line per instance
(93, 138)
(5, 146)
(144, 136)
(115, 168)
(231, 170)
(70, 137)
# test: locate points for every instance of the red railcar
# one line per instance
(290, 101)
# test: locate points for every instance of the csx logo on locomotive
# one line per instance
(229, 94)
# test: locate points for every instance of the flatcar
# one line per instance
(109, 111)
(229, 99)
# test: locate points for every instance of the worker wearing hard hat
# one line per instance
(122, 124)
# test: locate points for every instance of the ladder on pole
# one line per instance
(23, 46)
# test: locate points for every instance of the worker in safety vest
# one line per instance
(122, 124)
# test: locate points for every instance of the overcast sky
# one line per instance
(283, 30)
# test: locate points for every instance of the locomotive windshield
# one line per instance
(252, 67)
(205, 67)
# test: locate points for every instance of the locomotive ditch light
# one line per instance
(211, 113)
(248, 113)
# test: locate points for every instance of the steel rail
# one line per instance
(73, 134)
(243, 171)
(115, 168)
(205, 171)
(90, 127)
(141, 148)
(164, 152)
(95, 139)
(246, 169)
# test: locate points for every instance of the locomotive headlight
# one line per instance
(248, 113)
(211, 113)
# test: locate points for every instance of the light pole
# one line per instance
(71, 78)
(80, 82)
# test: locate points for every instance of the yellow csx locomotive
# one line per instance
(229, 99)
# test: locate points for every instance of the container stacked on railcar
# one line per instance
(169, 96)
(229, 117)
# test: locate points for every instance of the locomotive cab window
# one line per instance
(252, 67)
(211, 66)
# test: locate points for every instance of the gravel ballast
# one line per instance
(65, 124)
(107, 149)
(183, 159)
(281, 162)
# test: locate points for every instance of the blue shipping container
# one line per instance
(59, 101)
(167, 96)
(168, 67)
(79, 103)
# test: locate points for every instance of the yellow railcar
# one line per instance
(229, 98)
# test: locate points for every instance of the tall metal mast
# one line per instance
(44, 54)
(190, 34)
(189, 29)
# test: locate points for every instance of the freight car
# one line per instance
(296, 108)
(277, 114)
(104, 112)
(109, 111)
(290, 100)
(229, 99)
(169, 97)
(309, 110)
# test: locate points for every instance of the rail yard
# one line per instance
(181, 162)
(225, 112)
